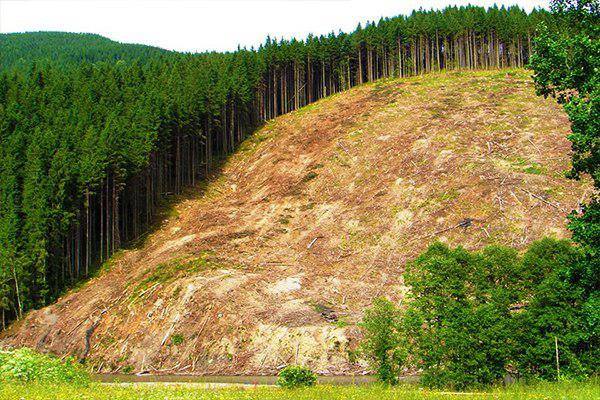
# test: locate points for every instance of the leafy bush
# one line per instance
(25, 365)
(559, 311)
(294, 376)
(382, 343)
(458, 319)
(177, 339)
(473, 317)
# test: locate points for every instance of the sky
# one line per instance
(204, 25)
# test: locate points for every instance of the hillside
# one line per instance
(90, 151)
(316, 214)
(21, 49)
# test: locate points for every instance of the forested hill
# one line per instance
(21, 49)
(89, 150)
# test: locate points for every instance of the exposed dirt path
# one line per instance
(274, 260)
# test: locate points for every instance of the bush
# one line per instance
(177, 340)
(458, 318)
(25, 365)
(382, 343)
(559, 311)
(473, 317)
(294, 376)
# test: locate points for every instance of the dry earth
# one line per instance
(274, 260)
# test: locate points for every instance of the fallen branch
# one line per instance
(533, 144)
(313, 242)
(165, 369)
(203, 325)
(486, 232)
(345, 150)
(540, 198)
(465, 223)
(170, 330)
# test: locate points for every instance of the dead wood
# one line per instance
(313, 242)
(540, 198)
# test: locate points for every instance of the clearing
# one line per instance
(274, 260)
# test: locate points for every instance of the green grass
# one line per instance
(565, 390)
(529, 167)
(27, 366)
(170, 270)
(535, 169)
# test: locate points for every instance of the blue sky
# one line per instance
(199, 25)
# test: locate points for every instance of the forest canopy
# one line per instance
(62, 48)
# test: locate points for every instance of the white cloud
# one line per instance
(207, 24)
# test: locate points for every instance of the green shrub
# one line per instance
(177, 339)
(26, 365)
(458, 319)
(473, 317)
(294, 376)
(382, 343)
(559, 312)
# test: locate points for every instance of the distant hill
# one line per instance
(21, 49)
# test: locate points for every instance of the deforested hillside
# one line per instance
(273, 260)
(95, 135)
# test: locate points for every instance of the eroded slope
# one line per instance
(274, 260)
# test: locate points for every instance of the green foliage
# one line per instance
(567, 66)
(25, 365)
(177, 339)
(127, 369)
(294, 376)
(382, 342)
(475, 316)
(458, 319)
(559, 308)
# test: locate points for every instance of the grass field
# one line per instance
(565, 390)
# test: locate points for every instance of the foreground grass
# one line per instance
(566, 390)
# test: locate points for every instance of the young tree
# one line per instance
(555, 318)
(383, 340)
(458, 320)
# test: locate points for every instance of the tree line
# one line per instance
(90, 145)
(300, 72)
